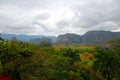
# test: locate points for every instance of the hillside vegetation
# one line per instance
(23, 61)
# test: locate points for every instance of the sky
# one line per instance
(54, 17)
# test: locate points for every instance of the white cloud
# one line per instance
(53, 17)
(108, 26)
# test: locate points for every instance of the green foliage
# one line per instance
(12, 59)
(1, 69)
(114, 44)
(71, 53)
(107, 63)
(1, 39)
(23, 61)
(85, 72)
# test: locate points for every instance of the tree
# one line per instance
(45, 43)
(14, 38)
(1, 39)
(85, 72)
(107, 63)
(71, 53)
(15, 60)
(114, 44)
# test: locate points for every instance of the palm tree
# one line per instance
(107, 63)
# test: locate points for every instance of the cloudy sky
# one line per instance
(53, 17)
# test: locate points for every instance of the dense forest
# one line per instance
(25, 61)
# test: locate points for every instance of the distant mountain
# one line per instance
(99, 36)
(68, 39)
(26, 38)
(88, 37)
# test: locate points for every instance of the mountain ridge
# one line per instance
(95, 36)
(25, 38)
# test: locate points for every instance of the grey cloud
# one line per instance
(22, 16)
(106, 26)
(42, 26)
(43, 16)
(97, 12)
(17, 30)
(63, 23)
(32, 4)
